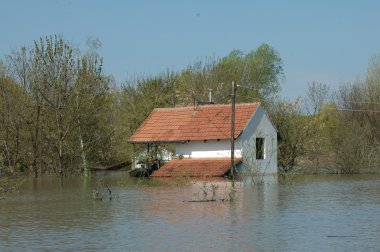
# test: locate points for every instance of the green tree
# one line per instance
(138, 101)
(66, 108)
(294, 130)
(21, 68)
(257, 73)
(12, 131)
(92, 106)
(54, 65)
(359, 122)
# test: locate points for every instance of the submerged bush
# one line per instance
(9, 185)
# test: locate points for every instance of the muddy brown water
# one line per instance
(314, 213)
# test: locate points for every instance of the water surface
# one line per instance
(315, 213)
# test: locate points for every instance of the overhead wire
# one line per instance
(361, 102)
(357, 110)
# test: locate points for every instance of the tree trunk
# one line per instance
(83, 154)
(35, 139)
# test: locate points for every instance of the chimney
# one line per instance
(210, 95)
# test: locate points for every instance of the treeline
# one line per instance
(54, 109)
(332, 130)
(60, 113)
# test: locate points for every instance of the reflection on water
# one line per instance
(315, 213)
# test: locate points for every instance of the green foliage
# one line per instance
(343, 133)
(55, 109)
(293, 129)
(12, 122)
(2, 166)
(319, 148)
(357, 136)
(258, 73)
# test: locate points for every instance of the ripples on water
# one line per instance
(315, 213)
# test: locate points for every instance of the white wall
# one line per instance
(259, 126)
(211, 148)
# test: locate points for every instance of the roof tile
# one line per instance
(195, 167)
(209, 122)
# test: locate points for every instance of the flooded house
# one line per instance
(201, 136)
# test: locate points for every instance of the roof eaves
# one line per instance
(157, 142)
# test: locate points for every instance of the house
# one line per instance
(202, 139)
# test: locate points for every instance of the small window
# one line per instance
(260, 148)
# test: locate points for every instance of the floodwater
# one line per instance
(314, 213)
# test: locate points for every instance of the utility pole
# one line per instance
(233, 96)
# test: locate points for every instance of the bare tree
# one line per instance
(318, 95)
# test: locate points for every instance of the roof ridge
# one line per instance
(209, 106)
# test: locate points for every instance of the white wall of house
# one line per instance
(259, 126)
(208, 149)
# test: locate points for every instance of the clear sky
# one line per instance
(329, 41)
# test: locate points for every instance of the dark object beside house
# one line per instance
(144, 170)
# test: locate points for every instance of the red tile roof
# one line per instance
(195, 167)
(208, 122)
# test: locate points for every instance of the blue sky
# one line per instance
(325, 41)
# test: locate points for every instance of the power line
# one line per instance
(357, 110)
(362, 102)
(340, 109)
